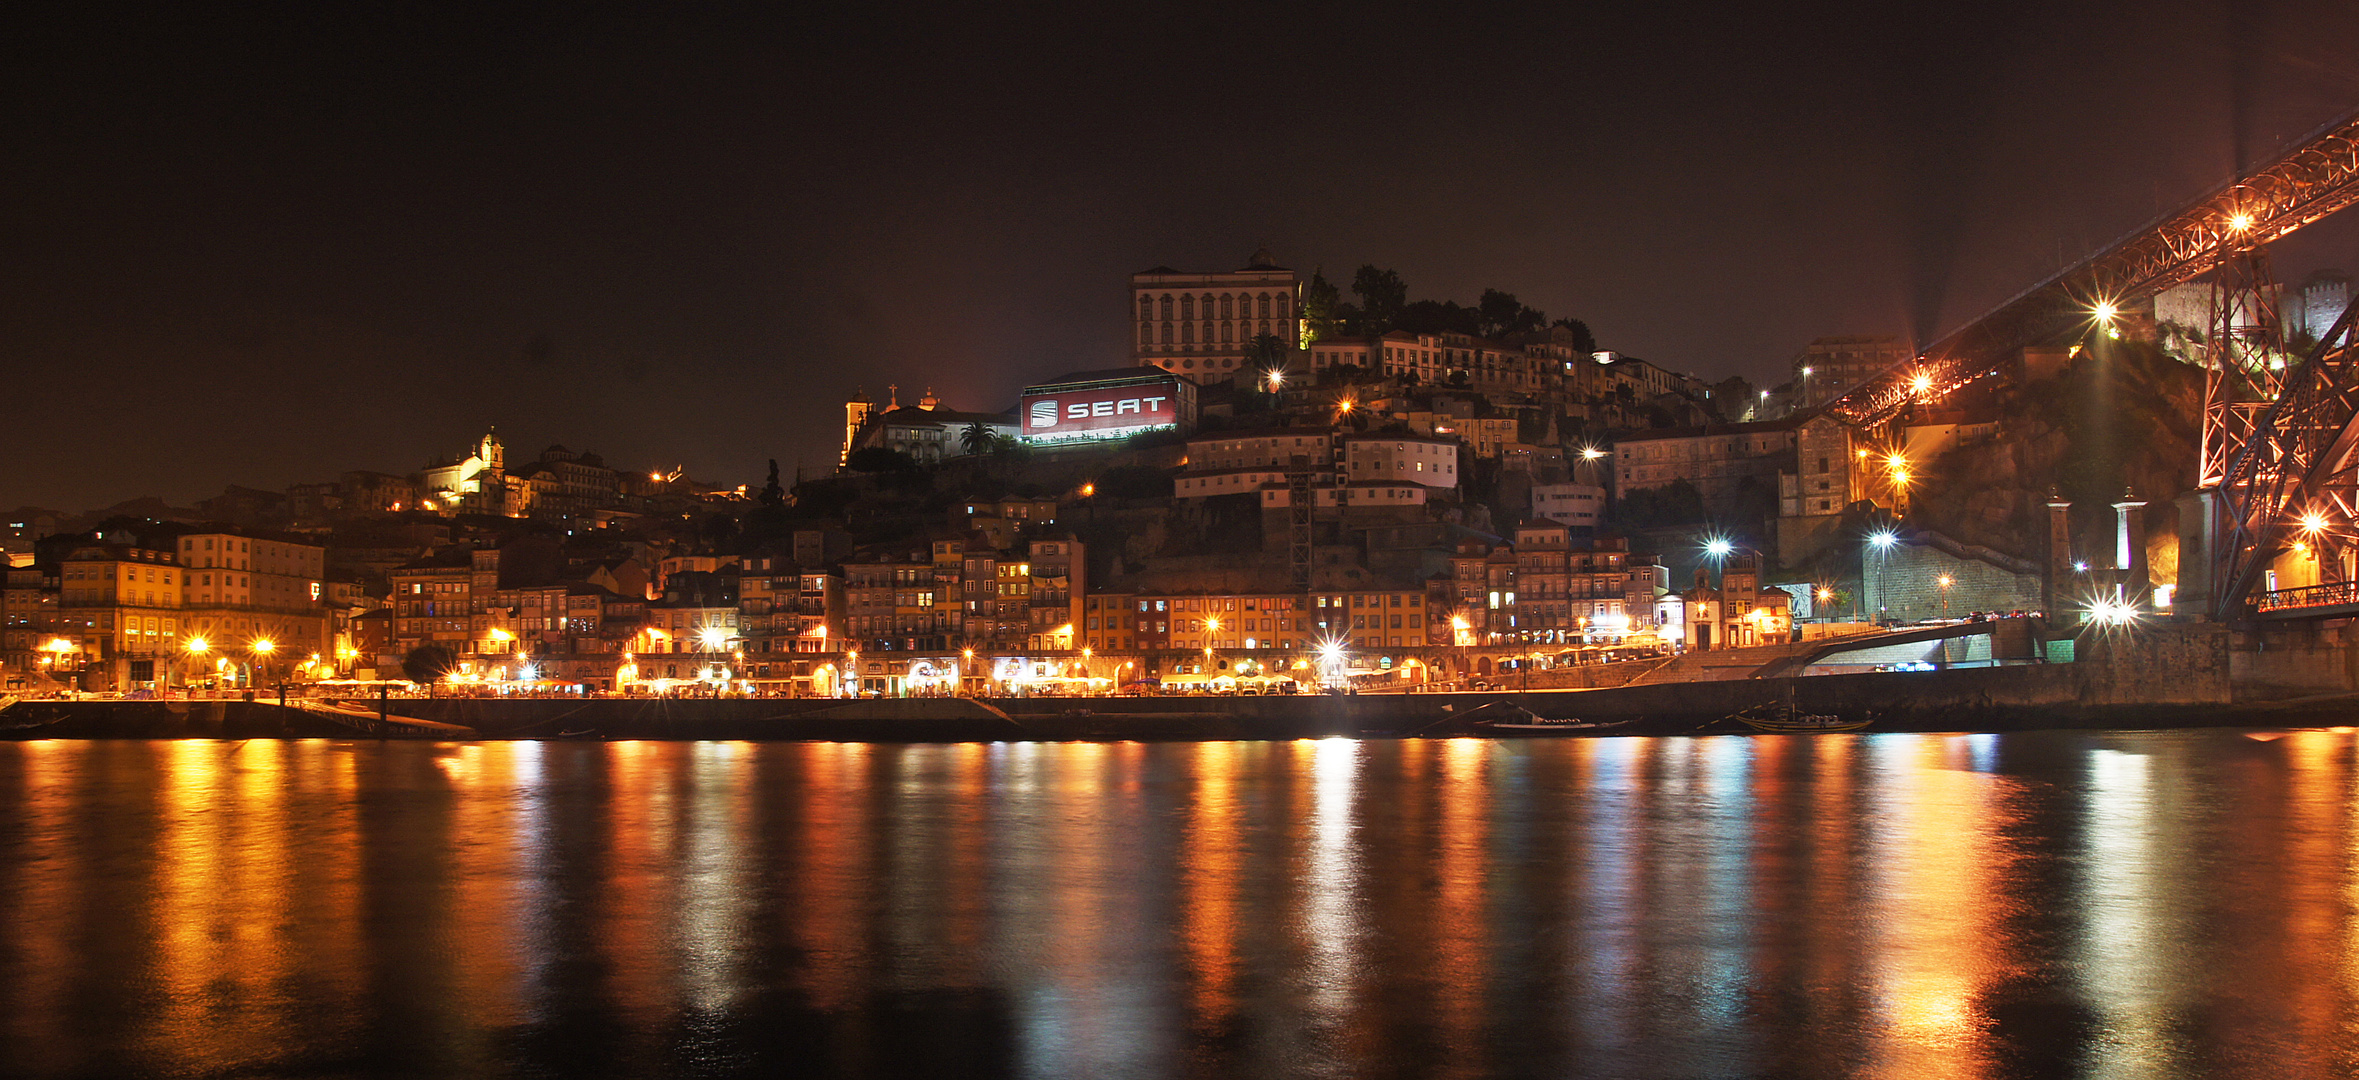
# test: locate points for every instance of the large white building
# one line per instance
(1202, 325)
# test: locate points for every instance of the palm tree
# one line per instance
(978, 438)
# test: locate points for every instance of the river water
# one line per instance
(2047, 904)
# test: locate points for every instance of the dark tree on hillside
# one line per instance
(428, 664)
(1320, 299)
(1382, 296)
(1675, 503)
(880, 459)
(1134, 482)
(1438, 317)
(1266, 353)
(978, 438)
(1502, 314)
(716, 529)
(772, 494)
(1582, 338)
(826, 497)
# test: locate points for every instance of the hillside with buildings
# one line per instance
(1276, 479)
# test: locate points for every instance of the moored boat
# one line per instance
(1513, 720)
(1783, 718)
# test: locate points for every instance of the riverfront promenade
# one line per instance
(2164, 677)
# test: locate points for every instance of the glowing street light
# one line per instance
(1921, 382)
(1591, 453)
(2313, 523)
(1718, 547)
(713, 638)
(2240, 221)
(2105, 311)
(198, 646)
(2111, 611)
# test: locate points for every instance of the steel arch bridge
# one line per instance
(2277, 445)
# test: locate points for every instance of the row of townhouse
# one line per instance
(120, 617)
(967, 592)
(759, 616)
(1545, 587)
(1126, 623)
(1544, 365)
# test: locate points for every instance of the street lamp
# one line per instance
(1945, 581)
(53, 657)
(1331, 663)
(260, 648)
(1211, 627)
(1880, 542)
(195, 646)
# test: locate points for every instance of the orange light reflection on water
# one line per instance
(1210, 856)
(821, 904)
(1461, 923)
(495, 827)
(1938, 909)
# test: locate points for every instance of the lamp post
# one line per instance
(195, 648)
(1461, 635)
(1944, 581)
(53, 658)
(1211, 627)
(260, 650)
(1880, 542)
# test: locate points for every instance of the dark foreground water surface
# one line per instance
(2051, 904)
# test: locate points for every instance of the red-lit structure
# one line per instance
(1099, 406)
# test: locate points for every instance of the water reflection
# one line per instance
(2168, 904)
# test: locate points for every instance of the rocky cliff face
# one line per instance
(2125, 416)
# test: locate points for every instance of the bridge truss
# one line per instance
(2278, 434)
(2294, 481)
(2313, 181)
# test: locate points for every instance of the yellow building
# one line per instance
(119, 616)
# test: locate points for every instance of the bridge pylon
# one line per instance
(2289, 498)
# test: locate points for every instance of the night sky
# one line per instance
(268, 247)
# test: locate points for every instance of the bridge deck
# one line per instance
(2333, 599)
